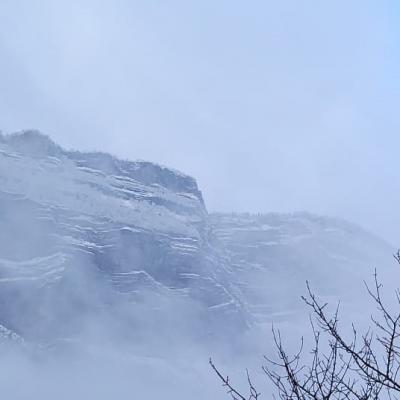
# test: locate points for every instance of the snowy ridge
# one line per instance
(89, 229)
(274, 254)
(87, 234)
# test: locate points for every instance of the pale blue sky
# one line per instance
(271, 105)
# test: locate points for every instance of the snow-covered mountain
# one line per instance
(82, 231)
(273, 255)
(86, 234)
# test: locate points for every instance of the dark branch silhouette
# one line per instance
(254, 395)
(365, 367)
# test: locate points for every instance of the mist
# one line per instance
(269, 134)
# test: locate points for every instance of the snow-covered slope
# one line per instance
(88, 237)
(273, 255)
(86, 231)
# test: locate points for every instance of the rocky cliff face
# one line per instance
(87, 234)
(86, 231)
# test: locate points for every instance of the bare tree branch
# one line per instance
(362, 368)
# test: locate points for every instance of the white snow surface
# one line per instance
(88, 234)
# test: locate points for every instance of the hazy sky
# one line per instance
(272, 105)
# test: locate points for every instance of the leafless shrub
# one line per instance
(363, 367)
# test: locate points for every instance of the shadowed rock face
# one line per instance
(86, 235)
(36, 145)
